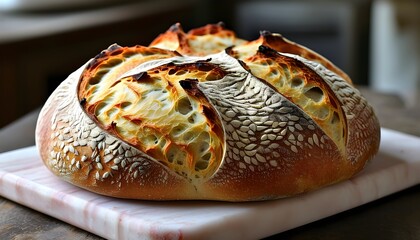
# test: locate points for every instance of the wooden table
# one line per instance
(393, 217)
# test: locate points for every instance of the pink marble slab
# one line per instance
(25, 180)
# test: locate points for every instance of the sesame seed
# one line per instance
(236, 123)
(230, 114)
(272, 137)
(310, 141)
(315, 137)
(109, 140)
(230, 128)
(250, 146)
(254, 161)
(94, 154)
(108, 158)
(242, 134)
(93, 144)
(300, 137)
(253, 127)
(107, 151)
(114, 145)
(114, 167)
(100, 137)
(128, 154)
(95, 132)
(283, 132)
(120, 150)
(293, 118)
(261, 128)
(269, 123)
(282, 124)
(82, 142)
(235, 150)
(100, 145)
(85, 134)
(244, 128)
(252, 112)
(117, 160)
(285, 109)
(71, 149)
(99, 166)
(251, 153)
(260, 158)
(246, 140)
(240, 145)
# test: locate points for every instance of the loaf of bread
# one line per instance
(207, 115)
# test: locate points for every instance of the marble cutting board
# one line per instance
(25, 180)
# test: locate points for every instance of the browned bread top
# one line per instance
(206, 115)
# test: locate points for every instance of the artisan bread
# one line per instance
(206, 115)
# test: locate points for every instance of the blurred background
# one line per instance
(376, 42)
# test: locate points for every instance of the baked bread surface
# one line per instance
(206, 115)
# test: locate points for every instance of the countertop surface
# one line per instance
(393, 217)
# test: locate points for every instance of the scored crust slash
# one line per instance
(207, 115)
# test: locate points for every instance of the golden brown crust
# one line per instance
(205, 115)
(202, 41)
